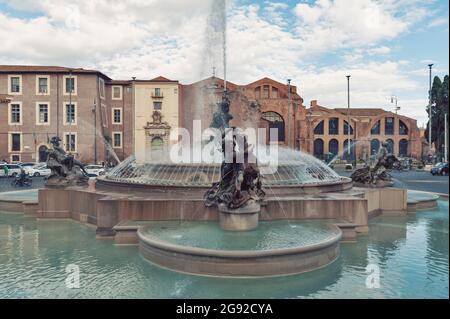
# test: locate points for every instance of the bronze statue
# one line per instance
(65, 169)
(374, 175)
(239, 182)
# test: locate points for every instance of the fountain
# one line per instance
(226, 217)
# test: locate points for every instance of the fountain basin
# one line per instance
(193, 248)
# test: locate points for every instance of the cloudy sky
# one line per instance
(384, 44)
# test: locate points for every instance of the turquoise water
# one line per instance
(268, 235)
(411, 253)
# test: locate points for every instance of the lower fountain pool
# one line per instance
(410, 252)
(268, 235)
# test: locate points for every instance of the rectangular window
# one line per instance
(258, 92)
(70, 84)
(333, 126)
(117, 139)
(15, 158)
(389, 126)
(70, 142)
(70, 114)
(16, 142)
(15, 117)
(157, 92)
(15, 84)
(43, 85)
(274, 93)
(117, 115)
(157, 105)
(266, 89)
(43, 112)
(116, 92)
(102, 88)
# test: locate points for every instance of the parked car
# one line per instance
(27, 166)
(439, 169)
(38, 170)
(13, 169)
(94, 170)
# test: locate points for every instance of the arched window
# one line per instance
(389, 126)
(318, 130)
(275, 122)
(374, 146)
(333, 126)
(390, 146)
(346, 154)
(403, 148)
(333, 147)
(375, 129)
(402, 128)
(318, 148)
(346, 128)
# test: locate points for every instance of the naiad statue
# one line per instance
(65, 169)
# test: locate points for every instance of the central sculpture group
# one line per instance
(240, 179)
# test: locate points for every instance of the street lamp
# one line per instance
(289, 111)
(430, 66)
(395, 99)
(348, 118)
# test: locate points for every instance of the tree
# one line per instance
(439, 101)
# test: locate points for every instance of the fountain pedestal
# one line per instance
(239, 219)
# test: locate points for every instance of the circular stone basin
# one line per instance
(275, 248)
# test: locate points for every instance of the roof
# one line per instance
(158, 79)
(362, 112)
(46, 69)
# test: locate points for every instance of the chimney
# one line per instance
(313, 103)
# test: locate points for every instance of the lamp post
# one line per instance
(289, 112)
(348, 119)
(94, 110)
(394, 98)
(430, 66)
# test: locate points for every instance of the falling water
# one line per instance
(214, 56)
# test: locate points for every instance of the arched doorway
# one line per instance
(42, 153)
(333, 147)
(403, 148)
(318, 148)
(374, 146)
(275, 122)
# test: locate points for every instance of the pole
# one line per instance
(348, 118)
(95, 129)
(71, 119)
(289, 112)
(446, 139)
(429, 108)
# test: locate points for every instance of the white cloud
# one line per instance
(383, 50)
(439, 22)
(146, 38)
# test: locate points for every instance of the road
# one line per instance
(415, 180)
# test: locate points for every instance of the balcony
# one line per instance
(157, 95)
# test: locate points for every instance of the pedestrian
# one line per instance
(6, 170)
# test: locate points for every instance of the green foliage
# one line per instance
(439, 100)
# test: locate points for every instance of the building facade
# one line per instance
(103, 120)
(156, 106)
(329, 133)
(261, 104)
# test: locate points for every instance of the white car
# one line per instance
(39, 170)
(95, 170)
